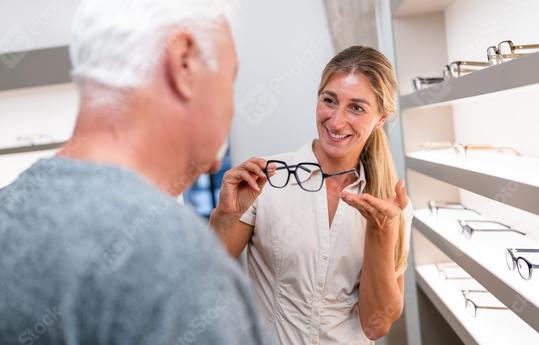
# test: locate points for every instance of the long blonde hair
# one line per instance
(376, 157)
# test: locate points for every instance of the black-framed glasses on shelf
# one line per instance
(457, 69)
(435, 205)
(422, 82)
(309, 176)
(472, 306)
(525, 268)
(467, 227)
(444, 268)
(507, 50)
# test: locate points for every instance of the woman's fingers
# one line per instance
(381, 206)
(401, 198)
(358, 203)
(249, 178)
(254, 168)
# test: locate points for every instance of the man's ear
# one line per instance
(183, 62)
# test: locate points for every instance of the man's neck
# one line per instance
(117, 143)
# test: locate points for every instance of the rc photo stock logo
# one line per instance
(14, 45)
(257, 105)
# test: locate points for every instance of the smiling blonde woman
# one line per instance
(327, 263)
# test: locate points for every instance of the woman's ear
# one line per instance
(381, 120)
(182, 63)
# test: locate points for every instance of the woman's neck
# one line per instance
(331, 165)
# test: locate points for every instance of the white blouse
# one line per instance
(306, 273)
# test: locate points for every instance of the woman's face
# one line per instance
(346, 115)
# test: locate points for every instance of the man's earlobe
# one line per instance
(181, 60)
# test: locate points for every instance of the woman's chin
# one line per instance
(334, 150)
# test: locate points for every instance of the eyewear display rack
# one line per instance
(500, 186)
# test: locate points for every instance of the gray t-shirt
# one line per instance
(93, 254)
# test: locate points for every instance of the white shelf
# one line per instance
(14, 164)
(506, 76)
(483, 257)
(490, 327)
(403, 8)
(502, 177)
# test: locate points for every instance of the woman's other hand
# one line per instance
(381, 215)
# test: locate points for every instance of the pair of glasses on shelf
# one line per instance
(525, 268)
(463, 149)
(435, 205)
(35, 139)
(457, 69)
(420, 83)
(309, 176)
(503, 52)
(472, 306)
(468, 227)
(507, 51)
(452, 271)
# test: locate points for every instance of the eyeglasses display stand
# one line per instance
(447, 296)
(469, 139)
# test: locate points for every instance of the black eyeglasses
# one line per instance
(525, 268)
(435, 205)
(309, 176)
(467, 229)
(472, 306)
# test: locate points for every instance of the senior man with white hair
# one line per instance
(93, 247)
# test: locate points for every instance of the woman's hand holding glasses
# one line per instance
(241, 186)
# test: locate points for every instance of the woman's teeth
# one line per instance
(337, 136)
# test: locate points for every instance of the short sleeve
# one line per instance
(249, 217)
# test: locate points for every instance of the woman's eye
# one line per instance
(328, 100)
(356, 108)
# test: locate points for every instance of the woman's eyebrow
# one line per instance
(357, 100)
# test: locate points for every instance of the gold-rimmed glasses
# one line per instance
(507, 50)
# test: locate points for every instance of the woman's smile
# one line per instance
(337, 137)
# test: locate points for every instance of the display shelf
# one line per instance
(509, 179)
(13, 164)
(402, 8)
(483, 257)
(488, 327)
(509, 75)
(32, 148)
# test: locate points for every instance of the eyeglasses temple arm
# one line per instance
(524, 250)
(501, 230)
(492, 308)
(341, 173)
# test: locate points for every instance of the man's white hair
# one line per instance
(120, 42)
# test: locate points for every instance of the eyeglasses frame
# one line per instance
(292, 170)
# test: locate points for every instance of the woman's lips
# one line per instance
(336, 138)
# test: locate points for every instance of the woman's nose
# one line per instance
(338, 120)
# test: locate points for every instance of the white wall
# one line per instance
(283, 47)
(508, 118)
(29, 24)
